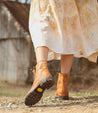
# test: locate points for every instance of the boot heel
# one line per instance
(48, 83)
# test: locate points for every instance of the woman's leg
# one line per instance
(63, 77)
(41, 53)
(43, 78)
(66, 63)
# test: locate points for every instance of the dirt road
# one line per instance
(50, 105)
(12, 101)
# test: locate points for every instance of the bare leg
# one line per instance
(63, 78)
(43, 78)
(41, 53)
(66, 63)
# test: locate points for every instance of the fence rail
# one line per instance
(21, 1)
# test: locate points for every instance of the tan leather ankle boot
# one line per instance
(62, 87)
(43, 80)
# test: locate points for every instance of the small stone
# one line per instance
(60, 108)
(40, 110)
(9, 105)
(14, 106)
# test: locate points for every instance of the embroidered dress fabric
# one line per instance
(65, 27)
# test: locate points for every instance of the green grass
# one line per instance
(10, 95)
(86, 94)
(11, 91)
(15, 91)
(21, 95)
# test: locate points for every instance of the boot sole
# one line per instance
(35, 95)
(62, 97)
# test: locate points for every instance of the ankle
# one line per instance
(41, 61)
(41, 64)
(65, 74)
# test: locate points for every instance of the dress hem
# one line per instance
(58, 54)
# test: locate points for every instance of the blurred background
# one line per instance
(17, 56)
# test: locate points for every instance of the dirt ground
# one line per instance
(12, 101)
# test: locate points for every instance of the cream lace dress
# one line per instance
(65, 27)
